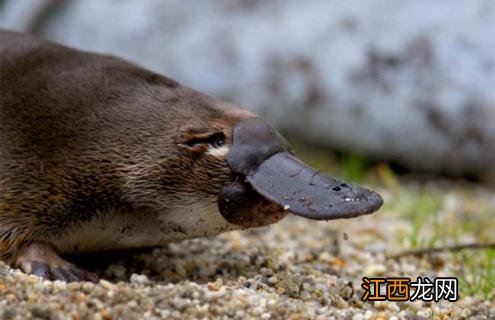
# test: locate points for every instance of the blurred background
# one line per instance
(363, 89)
(409, 82)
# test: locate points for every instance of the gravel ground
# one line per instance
(297, 269)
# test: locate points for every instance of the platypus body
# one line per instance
(97, 153)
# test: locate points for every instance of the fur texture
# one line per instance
(87, 140)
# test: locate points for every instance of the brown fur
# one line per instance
(82, 134)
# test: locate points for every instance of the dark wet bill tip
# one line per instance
(303, 191)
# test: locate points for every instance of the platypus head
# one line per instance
(205, 166)
(265, 168)
(233, 171)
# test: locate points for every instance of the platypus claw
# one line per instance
(69, 273)
(41, 260)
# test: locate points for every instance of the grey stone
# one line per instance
(410, 81)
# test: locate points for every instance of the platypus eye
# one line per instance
(216, 140)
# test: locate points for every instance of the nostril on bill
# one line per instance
(340, 187)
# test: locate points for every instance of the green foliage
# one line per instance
(421, 207)
(355, 166)
(477, 275)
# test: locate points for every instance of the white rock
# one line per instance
(139, 279)
(413, 87)
(358, 316)
(374, 270)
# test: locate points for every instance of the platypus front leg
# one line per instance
(42, 260)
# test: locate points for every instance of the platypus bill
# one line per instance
(97, 153)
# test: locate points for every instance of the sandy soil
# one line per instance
(297, 269)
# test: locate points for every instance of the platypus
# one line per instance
(97, 153)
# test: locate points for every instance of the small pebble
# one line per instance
(296, 269)
(139, 279)
(358, 316)
(272, 280)
(116, 270)
(374, 270)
